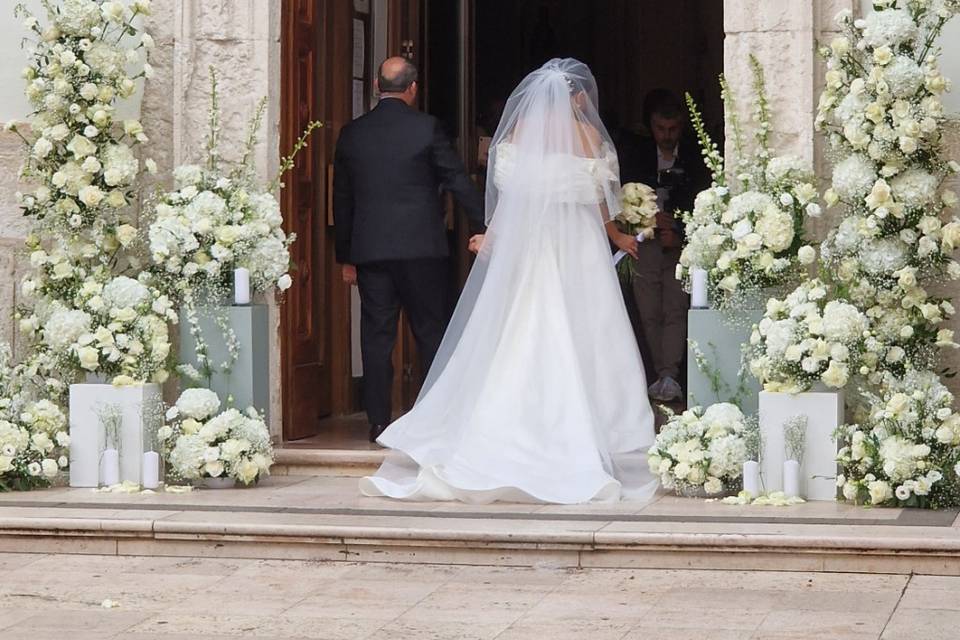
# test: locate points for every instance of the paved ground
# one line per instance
(43, 597)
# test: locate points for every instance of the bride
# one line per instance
(537, 393)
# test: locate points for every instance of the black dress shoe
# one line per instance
(376, 430)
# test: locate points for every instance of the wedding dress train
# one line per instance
(538, 392)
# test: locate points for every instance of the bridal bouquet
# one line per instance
(200, 443)
(701, 449)
(638, 217)
(811, 337)
(33, 434)
(906, 450)
(884, 117)
(748, 236)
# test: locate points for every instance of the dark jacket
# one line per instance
(389, 168)
(638, 163)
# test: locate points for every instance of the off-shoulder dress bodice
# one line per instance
(564, 177)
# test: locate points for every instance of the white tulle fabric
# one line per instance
(537, 393)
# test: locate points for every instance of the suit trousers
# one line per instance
(662, 304)
(419, 288)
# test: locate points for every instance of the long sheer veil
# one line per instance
(524, 369)
(550, 117)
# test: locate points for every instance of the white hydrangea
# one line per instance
(187, 175)
(78, 17)
(842, 322)
(775, 226)
(781, 167)
(904, 76)
(65, 326)
(120, 166)
(854, 177)
(890, 27)
(915, 187)
(187, 456)
(123, 292)
(883, 255)
(104, 59)
(198, 404)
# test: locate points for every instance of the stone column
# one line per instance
(241, 39)
(784, 36)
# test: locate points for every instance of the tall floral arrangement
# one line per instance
(218, 218)
(748, 234)
(883, 116)
(85, 305)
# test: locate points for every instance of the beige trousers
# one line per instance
(662, 304)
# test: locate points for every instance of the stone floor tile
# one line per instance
(817, 623)
(922, 624)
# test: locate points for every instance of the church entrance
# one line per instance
(471, 53)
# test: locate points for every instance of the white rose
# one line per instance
(807, 254)
(284, 282)
(89, 357)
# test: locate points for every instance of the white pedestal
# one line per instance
(87, 437)
(824, 413)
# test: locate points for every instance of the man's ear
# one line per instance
(376, 85)
(414, 87)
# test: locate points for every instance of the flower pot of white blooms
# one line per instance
(214, 450)
(701, 453)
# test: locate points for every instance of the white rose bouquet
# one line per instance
(906, 450)
(199, 443)
(749, 236)
(702, 449)
(810, 337)
(638, 218)
(33, 434)
(884, 118)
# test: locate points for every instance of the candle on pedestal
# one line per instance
(698, 289)
(791, 478)
(110, 468)
(151, 470)
(241, 286)
(751, 477)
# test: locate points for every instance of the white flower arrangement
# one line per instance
(92, 321)
(749, 236)
(701, 449)
(80, 156)
(33, 433)
(199, 443)
(883, 115)
(216, 220)
(810, 337)
(906, 449)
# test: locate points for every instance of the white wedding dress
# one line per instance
(538, 392)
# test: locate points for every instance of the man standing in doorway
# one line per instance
(390, 166)
(673, 165)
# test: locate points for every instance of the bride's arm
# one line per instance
(623, 241)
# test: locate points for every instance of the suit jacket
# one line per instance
(389, 167)
(638, 163)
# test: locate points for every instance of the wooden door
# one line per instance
(315, 85)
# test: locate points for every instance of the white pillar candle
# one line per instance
(151, 470)
(791, 478)
(241, 286)
(698, 289)
(751, 477)
(110, 468)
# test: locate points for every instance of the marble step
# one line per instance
(297, 461)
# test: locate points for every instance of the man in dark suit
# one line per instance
(670, 162)
(389, 168)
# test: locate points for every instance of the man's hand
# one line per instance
(349, 274)
(476, 243)
(626, 243)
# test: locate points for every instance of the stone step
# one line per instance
(294, 461)
(491, 542)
